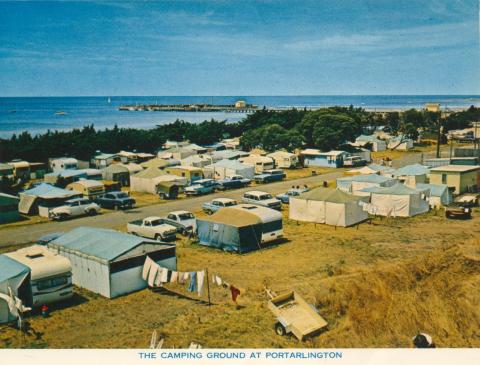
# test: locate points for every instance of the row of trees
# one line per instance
(325, 129)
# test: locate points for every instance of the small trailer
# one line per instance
(294, 315)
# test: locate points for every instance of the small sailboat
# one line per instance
(109, 100)
(60, 112)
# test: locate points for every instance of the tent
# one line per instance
(149, 180)
(377, 144)
(8, 208)
(117, 172)
(227, 168)
(329, 206)
(15, 276)
(109, 262)
(44, 195)
(412, 174)
(354, 184)
(158, 163)
(439, 194)
(398, 200)
(369, 169)
(197, 160)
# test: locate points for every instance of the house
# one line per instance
(397, 200)
(102, 160)
(42, 198)
(460, 179)
(283, 159)
(14, 276)
(411, 175)
(90, 189)
(372, 141)
(354, 184)
(400, 143)
(197, 161)
(109, 262)
(117, 172)
(440, 194)
(188, 172)
(437, 162)
(21, 169)
(241, 228)
(50, 274)
(317, 158)
(260, 163)
(154, 181)
(63, 163)
(327, 206)
(228, 168)
(6, 171)
(9, 208)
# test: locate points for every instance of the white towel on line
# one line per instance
(200, 279)
(152, 274)
(146, 267)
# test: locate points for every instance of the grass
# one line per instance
(377, 286)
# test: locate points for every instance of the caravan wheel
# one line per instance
(279, 329)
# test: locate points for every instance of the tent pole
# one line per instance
(208, 287)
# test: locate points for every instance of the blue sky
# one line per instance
(239, 47)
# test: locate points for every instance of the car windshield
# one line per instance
(156, 222)
(185, 216)
(229, 204)
(122, 195)
(265, 196)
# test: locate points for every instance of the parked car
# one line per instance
(116, 200)
(262, 198)
(153, 227)
(183, 220)
(233, 182)
(285, 197)
(217, 204)
(269, 176)
(354, 161)
(200, 187)
(458, 211)
(74, 208)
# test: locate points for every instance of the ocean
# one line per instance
(38, 114)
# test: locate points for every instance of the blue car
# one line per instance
(285, 197)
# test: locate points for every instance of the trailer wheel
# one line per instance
(279, 329)
(209, 212)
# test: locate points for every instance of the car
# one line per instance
(74, 208)
(233, 182)
(458, 211)
(262, 198)
(202, 186)
(217, 204)
(269, 176)
(153, 227)
(116, 200)
(285, 197)
(183, 220)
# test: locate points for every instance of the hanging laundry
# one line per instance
(153, 274)
(180, 279)
(186, 276)
(164, 278)
(192, 287)
(174, 277)
(200, 279)
(11, 304)
(146, 267)
(235, 293)
(218, 280)
(158, 280)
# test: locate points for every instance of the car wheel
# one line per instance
(63, 217)
(158, 237)
(116, 207)
(279, 329)
(209, 212)
(92, 212)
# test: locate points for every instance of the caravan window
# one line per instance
(51, 283)
(272, 226)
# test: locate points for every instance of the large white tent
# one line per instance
(355, 184)
(147, 181)
(397, 200)
(329, 206)
(227, 168)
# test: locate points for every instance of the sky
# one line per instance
(337, 47)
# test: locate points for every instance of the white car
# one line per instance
(262, 198)
(74, 208)
(183, 220)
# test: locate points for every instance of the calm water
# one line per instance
(37, 115)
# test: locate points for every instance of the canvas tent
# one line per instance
(328, 206)
(369, 169)
(372, 140)
(118, 173)
(14, 276)
(354, 184)
(44, 196)
(109, 262)
(196, 160)
(149, 181)
(439, 194)
(398, 200)
(227, 168)
(158, 163)
(411, 175)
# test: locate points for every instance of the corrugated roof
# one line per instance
(47, 191)
(328, 195)
(412, 170)
(104, 244)
(9, 268)
(233, 217)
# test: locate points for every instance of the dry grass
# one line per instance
(376, 286)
